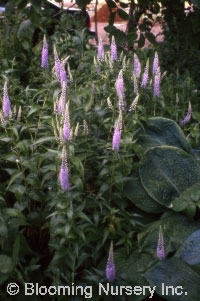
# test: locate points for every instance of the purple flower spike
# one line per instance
(62, 99)
(145, 77)
(64, 172)
(63, 74)
(113, 49)
(117, 133)
(137, 66)
(120, 85)
(160, 251)
(110, 266)
(155, 63)
(156, 90)
(100, 54)
(6, 101)
(44, 63)
(188, 116)
(57, 64)
(66, 126)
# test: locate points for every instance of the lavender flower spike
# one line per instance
(145, 77)
(100, 55)
(110, 266)
(156, 90)
(62, 99)
(137, 66)
(120, 85)
(6, 100)
(155, 63)
(66, 126)
(57, 64)
(44, 62)
(113, 49)
(160, 251)
(64, 172)
(63, 74)
(188, 116)
(117, 133)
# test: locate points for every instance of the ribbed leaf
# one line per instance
(176, 273)
(162, 131)
(189, 251)
(167, 172)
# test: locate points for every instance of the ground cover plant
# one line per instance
(99, 172)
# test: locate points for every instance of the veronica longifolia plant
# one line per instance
(110, 266)
(57, 64)
(145, 76)
(136, 66)
(155, 63)
(66, 125)
(62, 99)
(64, 172)
(156, 90)
(100, 54)
(113, 49)
(120, 85)
(160, 251)
(6, 101)
(188, 116)
(44, 61)
(117, 133)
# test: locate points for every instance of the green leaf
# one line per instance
(15, 253)
(6, 265)
(176, 273)
(135, 192)
(16, 175)
(44, 139)
(162, 131)
(166, 172)
(26, 29)
(122, 14)
(189, 252)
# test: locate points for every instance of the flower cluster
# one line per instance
(120, 85)
(188, 116)
(117, 133)
(100, 55)
(156, 90)
(110, 266)
(113, 49)
(145, 76)
(44, 61)
(6, 101)
(160, 251)
(64, 172)
(136, 66)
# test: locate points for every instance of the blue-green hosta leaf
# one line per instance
(135, 192)
(174, 272)
(162, 131)
(167, 172)
(190, 250)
